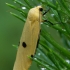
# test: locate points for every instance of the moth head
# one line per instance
(40, 8)
(35, 13)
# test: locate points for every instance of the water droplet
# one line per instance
(65, 21)
(35, 58)
(41, 23)
(69, 49)
(47, 25)
(23, 7)
(50, 0)
(68, 42)
(52, 15)
(67, 61)
(64, 68)
(14, 1)
(39, 54)
(43, 0)
(43, 68)
(63, 29)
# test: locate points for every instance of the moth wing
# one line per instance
(29, 36)
(22, 61)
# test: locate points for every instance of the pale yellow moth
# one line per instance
(29, 38)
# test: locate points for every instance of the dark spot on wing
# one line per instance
(32, 56)
(24, 44)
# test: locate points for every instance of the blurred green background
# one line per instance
(10, 32)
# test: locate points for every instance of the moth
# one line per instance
(29, 39)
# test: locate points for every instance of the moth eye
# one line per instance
(24, 44)
(32, 56)
(41, 9)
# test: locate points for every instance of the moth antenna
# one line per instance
(46, 11)
(48, 21)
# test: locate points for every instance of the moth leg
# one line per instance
(48, 22)
(46, 11)
(32, 56)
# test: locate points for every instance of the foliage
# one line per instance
(50, 54)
